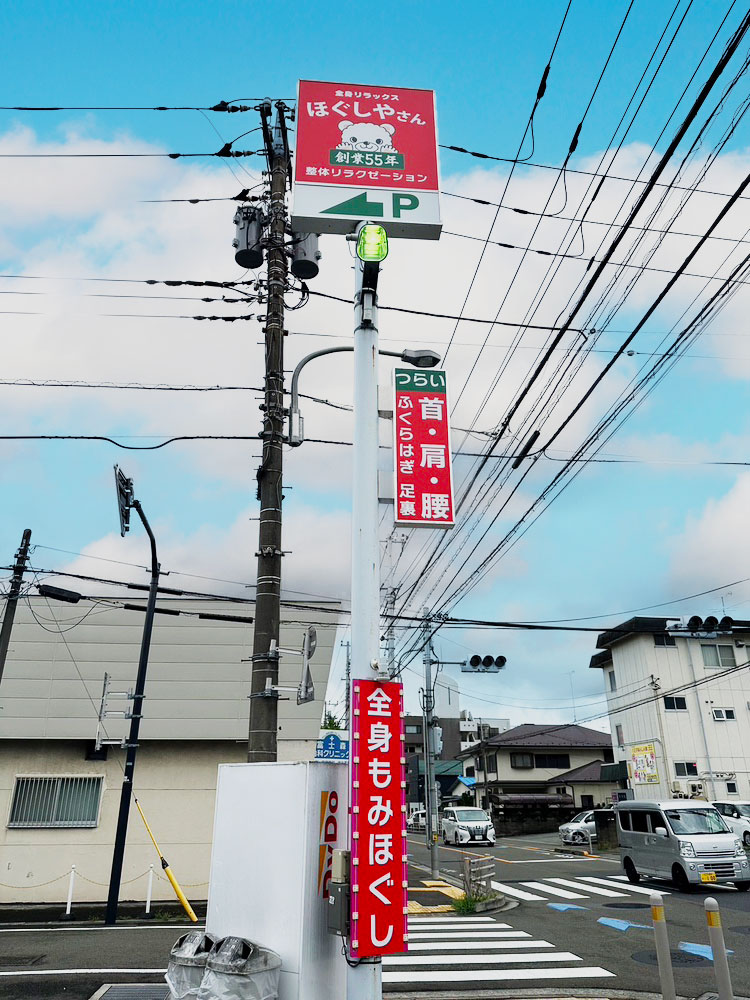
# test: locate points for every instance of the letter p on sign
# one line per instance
(403, 202)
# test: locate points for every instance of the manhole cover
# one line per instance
(678, 958)
(20, 960)
(629, 906)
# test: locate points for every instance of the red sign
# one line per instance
(369, 137)
(378, 806)
(422, 449)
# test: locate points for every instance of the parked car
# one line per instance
(464, 824)
(737, 817)
(417, 821)
(683, 840)
(578, 829)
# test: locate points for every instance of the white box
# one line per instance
(275, 829)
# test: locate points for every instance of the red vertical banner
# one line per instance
(422, 449)
(378, 804)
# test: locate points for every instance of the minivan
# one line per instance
(684, 840)
(737, 817)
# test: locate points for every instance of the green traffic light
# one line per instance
(372, 243)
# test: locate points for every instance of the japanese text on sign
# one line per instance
(421, 449)
(378, 801)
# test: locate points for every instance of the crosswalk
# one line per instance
(582, 887)
(463, 951)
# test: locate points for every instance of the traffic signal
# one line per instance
(437, 740)
(306, 689)
(483, 664)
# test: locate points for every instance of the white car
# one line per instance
(417, 821)
(464, 825)
(737, 817)
(578, 829)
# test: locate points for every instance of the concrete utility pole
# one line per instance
(265, 659)
(432, 793)
(348, 681)
(12, 600)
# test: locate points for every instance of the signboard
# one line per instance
(366, 153)
(379, 871)
(423, 477)
(332, 747)
(644, 764)
(329, 833)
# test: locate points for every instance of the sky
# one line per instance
(622, 536)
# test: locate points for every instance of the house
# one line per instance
(679, 705)
(60, 784)
(532, 777)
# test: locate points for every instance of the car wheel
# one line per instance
(742, 886)
(680, 879)
(445, 838)
(577, 838)
(746, 838)
(455, 838)
(631, 872)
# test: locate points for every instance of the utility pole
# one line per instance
(265, 658)
(432, 795)
(348, 679)
(12, 600)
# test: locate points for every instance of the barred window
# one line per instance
(55, 802)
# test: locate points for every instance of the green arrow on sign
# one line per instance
(358, 205)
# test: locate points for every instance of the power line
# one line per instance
(220, 106)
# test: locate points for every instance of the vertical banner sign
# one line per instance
(366, 153)
(422, 449)
(378, 805)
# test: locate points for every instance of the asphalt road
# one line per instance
(568, 910)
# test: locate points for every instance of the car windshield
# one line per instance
(471, 815)
(579, 818)
(696, 821)
(743, 809)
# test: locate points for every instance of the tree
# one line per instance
(330, 721)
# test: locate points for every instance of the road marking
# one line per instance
(479, 922)
(544, 956)
(564, 893)
(495, 975)
(475, 935)
(86, 972)
(589, 888)
(630, 888)
(76, 928)
(509, 890)
(476, 945)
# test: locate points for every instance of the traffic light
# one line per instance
(306, 689)
(437, 740)
(483, 664)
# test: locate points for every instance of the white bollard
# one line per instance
(71, 883)
(663, 955)
(149, 889)
(716, 940)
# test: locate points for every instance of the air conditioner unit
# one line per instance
(696, 788)
(677, 787)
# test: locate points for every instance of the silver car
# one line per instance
(579, 829)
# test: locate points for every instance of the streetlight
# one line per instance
(126, 501)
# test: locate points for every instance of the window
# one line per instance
(731, 788)
(491, 763)
(518, 760)
(561, 760)
(62, 802)
(664, 639)
(639, 820)
(625, 819)
(619, 736)
(412, 730)
(469, 771)
(685, 768)
(724, 714)
(677, 704)
(655, 819)
(561, 791)
(612, 680)
(717, 655)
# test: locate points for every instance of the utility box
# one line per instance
(275, 830)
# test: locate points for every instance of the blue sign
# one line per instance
(332, 747)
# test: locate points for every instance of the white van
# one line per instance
(737, 817)
(467, 824)
(683, 840)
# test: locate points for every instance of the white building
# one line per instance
(59, 795)
(679, 705)
(473, 730)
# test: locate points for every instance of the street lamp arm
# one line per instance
(152, 540)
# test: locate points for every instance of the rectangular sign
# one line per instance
(644, 771)
(379, 874)
(423, 475)
(354, 142)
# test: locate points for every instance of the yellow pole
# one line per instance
(167, 870)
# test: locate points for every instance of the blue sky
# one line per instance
(620, 537)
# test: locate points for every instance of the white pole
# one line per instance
(71, 882)
(716, 940)
(149, 889)
(363, 982)
(663, 955)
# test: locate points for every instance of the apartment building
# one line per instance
(678, 696)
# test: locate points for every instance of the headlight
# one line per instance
(739, 850)
(686, 849)
(462, 827)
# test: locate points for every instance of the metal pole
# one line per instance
(12, 599)
(265, 661)
(364, 981)
(663, 955)
(149, 889)
(71, 883)
(431, 811)
(348, 681)
(118, 853)
(716, 940)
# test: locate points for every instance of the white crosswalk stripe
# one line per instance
(638, 889)
(575, 888)
(554, 890)
(598, 891)
(461, 952)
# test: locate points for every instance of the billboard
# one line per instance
(366, 153)
(423, 475)
(379, 873)
(644, 769)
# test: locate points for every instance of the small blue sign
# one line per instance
(332, 747)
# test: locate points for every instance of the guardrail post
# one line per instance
(663, 954)
(716, 940)
(467, 877)
(149, 891)
(71, 883)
